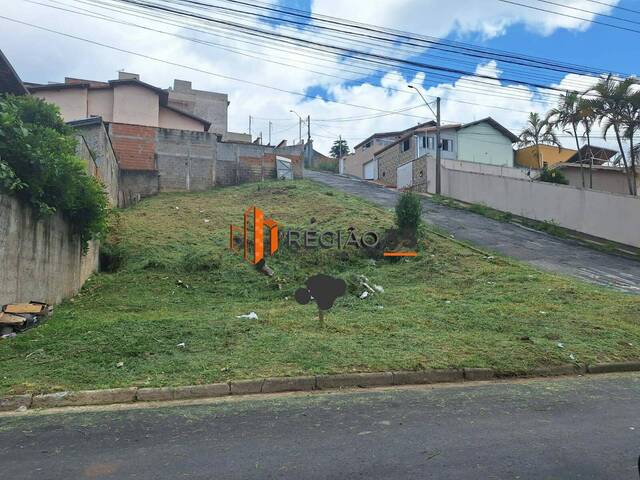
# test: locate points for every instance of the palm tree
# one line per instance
(538, 132)
(631, 115)
(588, 118)
(611, 107)
(568, 114)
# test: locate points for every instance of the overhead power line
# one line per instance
(472, 88)
(617, 7)
(351, 52)
(554, 12)
(195, 69)
(263, 59)
(591, 12)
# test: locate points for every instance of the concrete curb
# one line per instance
(294, 384)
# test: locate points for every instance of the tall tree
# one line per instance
(588, 119)
(612, 98)
(566, 115)
(339, 148)
(537, 132)
(631, 115)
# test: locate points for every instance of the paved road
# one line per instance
(571, 428)
(537, 248)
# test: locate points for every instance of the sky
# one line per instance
(335, 91)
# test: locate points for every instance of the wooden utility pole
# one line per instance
(269, 133)
(250, 135)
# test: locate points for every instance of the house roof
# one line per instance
(35, 87)
(206, 123)
(453, 126)
(163, 95)
(9, 80)
(393, 134)
(506, 132)
(600, 154)
(417, 129)
(83, 122)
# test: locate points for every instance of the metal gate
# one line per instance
(284, 168)
(405, 175)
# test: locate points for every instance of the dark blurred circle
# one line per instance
(302, 296)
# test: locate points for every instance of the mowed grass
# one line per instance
(449, 307)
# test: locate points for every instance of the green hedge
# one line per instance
(38, 165)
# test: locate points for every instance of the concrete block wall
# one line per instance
(241, 163)
(41, 259)
(186, 160)
(136, 184)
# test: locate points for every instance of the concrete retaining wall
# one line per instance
(601, 214)
(39, 259)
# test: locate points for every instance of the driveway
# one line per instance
(536, 248)
(567, 428)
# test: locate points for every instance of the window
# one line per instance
(367, 145)
(424, 141)
(447, 145)
(431, 143)
(406, 145)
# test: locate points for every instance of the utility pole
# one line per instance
(300, 128)
(438, 146)
(251, 136)
(269, 133)
(339, 147)
(309, 128)
(438, 141)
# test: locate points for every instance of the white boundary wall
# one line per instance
(606, 215)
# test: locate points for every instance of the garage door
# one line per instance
(370, 170)
(405, 175)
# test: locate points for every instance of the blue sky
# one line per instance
(43, 56)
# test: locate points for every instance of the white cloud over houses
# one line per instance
(42, 56)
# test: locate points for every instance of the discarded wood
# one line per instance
(9, 319)
(24, 308)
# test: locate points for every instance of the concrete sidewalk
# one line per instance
(536, 248)
(568, 428)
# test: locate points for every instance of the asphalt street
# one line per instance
(536, 248)
(568, 428)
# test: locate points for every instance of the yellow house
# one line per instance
(549, 154)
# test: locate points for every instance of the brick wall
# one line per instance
(135, 146)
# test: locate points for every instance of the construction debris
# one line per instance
(18, 317)
(250, 316)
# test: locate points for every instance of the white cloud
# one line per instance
(41, 56)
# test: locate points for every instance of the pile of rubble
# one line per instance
(18, 317)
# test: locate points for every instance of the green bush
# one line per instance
(553, 176)
(408, 211)
(38, 165)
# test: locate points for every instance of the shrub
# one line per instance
(553, 176)
(38, 165)
(408, 211)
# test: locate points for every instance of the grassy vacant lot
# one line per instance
(449, 307)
